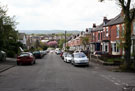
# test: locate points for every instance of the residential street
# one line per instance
(52, 74)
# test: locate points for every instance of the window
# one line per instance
(123, 29)
(115, 48)
(98, 36)
(134, 28)
(106, 47)
(101, 36)
(93, 36)
(134, 46)
(117, 30)
(106, 31)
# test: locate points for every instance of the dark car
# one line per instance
(2, 56)
(100, 53)
(26, 57)
(38, 54)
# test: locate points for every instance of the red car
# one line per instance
(61, 54)
(26, 57)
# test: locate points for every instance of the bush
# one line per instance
(123, 67)
(11, 54)
(133, 66)
(110, 57)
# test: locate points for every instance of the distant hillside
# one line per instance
(48, 31)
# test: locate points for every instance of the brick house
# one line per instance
(96, 38)
(98, 41)
(76, 41)
(113, 36)
(133, 38)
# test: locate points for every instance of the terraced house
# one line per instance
(114, 35)
(76, 41)
(106, 37)
(97, 37)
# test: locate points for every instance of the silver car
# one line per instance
(68, 58)
(80, 59)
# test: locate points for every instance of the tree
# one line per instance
(85, 41)
(128, 15)
(8, 34)
(61, 42)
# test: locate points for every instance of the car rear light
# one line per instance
(18, 57)
(29, 57)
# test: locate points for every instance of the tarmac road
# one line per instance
(52, 74)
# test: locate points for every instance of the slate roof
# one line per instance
(98, 28)
(117, 20)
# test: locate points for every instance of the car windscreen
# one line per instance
(64, 53)
(69, 55)
(36, 52)
(79, 55)
(24, 54)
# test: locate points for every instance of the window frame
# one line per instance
(117, 31)
(134, 27)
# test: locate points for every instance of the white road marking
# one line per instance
(113, 80)
(117, 83)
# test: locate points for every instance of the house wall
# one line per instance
(114, 39)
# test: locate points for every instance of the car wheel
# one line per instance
(88, 65)
(72, 62)
(34, 61)
(4, 58)
(18, 63)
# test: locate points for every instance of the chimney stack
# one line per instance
(105, 20)
(87, 30)
(94, 25)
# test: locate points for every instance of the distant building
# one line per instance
(22, 37)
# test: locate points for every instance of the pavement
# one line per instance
(9, 63)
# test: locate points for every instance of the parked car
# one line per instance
(68, 58)
(38, 54)
(26, 57)
(2, 56)
(80, 59)
(43, 52)
(61, 54)
(58, 52)
(57, 49)
(64, 54)
(100, 53)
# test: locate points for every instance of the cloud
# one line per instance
(60, 14)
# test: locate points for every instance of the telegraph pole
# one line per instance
(65, 39)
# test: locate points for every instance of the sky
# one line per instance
(60, 14)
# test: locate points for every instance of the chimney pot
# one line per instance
(94, 25)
